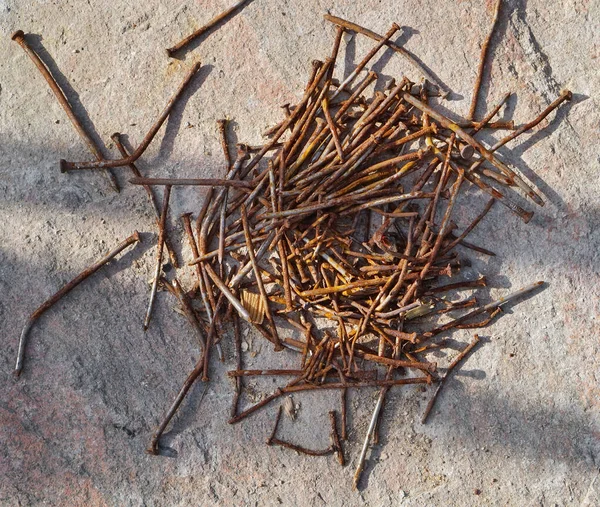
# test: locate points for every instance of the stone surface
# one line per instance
(518, 425)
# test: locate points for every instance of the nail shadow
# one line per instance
(406, 33)
(452, 95)
(175, 117)
(183, 419)
(72, 96)
(514, 156)
(474, 374)
(349, 56)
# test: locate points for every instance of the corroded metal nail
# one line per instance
(209, 26)
(134, 238)
(201, 182)
(398, 49)
(159, 254)
(482, 62)
(19, 37)
(103, 164)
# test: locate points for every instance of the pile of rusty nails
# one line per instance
(298, 232)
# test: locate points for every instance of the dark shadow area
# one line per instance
(349, 55)
(123, 262)
(537, 433)
(534, 432)
(514, 155)
(381, 61)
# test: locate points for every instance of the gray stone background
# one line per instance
(519, 422)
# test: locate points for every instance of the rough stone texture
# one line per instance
(519, 424)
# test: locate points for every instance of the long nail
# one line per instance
(190, 182)
(134, 238)
(487, 308)
(159, 254)
(103, 164)
(209, 26)
(19, 37)
(368, 33)
(482, 62)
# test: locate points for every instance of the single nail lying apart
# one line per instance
(134, 238)
(482, 62)
(19, 37)
(210, 25)
(487, 308)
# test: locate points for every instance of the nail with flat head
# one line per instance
(103, 164)
(19, 37)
